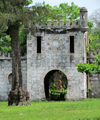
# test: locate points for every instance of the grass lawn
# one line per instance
(88, 109)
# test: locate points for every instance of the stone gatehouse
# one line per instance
(53, 47)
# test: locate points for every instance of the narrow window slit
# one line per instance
(71, 44)
(82, 17)
(39, 44)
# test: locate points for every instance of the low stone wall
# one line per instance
(5, 71)
(94, 79)
(94, 86)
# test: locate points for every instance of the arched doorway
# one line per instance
(55, 85)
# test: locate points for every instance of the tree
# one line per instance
(95, 18)
(95, 33)
(23, 39)
(14, 14)
(5, 42)
(94, 37)
(64, 11)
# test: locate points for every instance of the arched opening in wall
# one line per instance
(55, 85)
(10, 78)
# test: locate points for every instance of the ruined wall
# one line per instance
(55, 55)
(5, 71)
(94, 79)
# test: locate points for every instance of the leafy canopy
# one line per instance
(5, 42)
(12, 11)
(63, 11)
(16, 11)
(94, 35)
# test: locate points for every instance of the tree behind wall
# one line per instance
(13, 14)
(95, 34)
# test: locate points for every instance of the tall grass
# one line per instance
(88, 109)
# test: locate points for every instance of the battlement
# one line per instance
(64, 25)
(8, 55)
(61, 23)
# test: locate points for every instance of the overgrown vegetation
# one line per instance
(88, 109)
(94, 35)
(90, 68)
(57, 86)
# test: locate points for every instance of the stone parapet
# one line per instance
(8, 56)
(64, 25)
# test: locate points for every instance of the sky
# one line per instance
(91, 5)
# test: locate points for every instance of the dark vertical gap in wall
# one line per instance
(82, 17)
(39, 44)
(71, 44)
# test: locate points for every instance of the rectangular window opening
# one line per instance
(71, 44)
(39, 44)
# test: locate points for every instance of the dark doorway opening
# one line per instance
(55, 85)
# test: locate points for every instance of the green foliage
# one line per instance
(69, 12)
(52, 86)
(58, 92)
(64, 11)
(90, 68)
(12, 12)
(29, 2)
(94, 37)
(23, 38)
(5, 42)
(97, 59)
(90, 24)
(89, 89)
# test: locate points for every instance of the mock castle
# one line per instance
(53, 47)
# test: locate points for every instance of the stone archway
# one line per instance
(55, 85)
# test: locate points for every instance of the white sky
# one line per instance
(91, 5)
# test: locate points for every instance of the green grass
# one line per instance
(88, 109)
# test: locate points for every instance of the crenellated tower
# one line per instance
(57, 45)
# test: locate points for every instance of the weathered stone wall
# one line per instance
(56, 57)
(5, 71)
(94, 79)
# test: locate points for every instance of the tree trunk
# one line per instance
(57, 80)
(18, 95)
